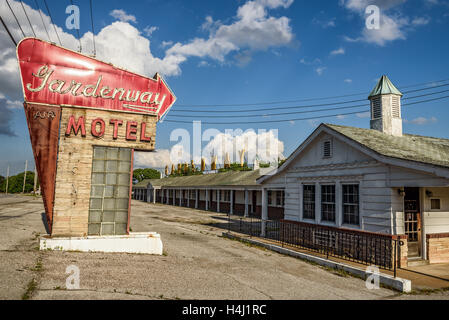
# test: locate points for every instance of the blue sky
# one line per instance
(244, 52)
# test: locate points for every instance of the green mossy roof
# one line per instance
(229, 178)
(427, 150)
(384, 86)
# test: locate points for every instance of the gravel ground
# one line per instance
(197, 263)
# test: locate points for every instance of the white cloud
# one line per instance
(421, 120)
(393, 25)
(166, 44)
(320, 70)
(121, 15)
(420, 21)
(149, 30)
(253, 30)
(366, 114)
(348, 80)
(337, 51)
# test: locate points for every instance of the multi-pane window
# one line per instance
(308, 201)
(280, 198)
(227, 195)
(328, 203)
(269, 195)
(109, 196)
(192, 194)
(351, 204)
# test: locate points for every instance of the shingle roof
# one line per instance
(384, 86)
(142, 184)
(229, 178)
(427, 150)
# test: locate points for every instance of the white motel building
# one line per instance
(377, 180)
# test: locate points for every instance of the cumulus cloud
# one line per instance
(263, 145)
(149, 30)
(421, 120)
(393, 25)
(121, 15)
(254, 29)
(338, 51)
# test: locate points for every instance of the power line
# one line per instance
(300, 119)
(26, 15)
(51, 21)
(42, 19)
(300, 106)
(93, 32)
(17, 20)
(7, 30)
(294, 112)
(298, 100)
(77, 31)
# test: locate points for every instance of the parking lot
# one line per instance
(197, 263)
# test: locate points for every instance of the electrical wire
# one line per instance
(300, 119)
(77, 31)
(294, 112)
(93, 32)
(51, 21)
(17, 20)
(7, 30)
(26, 15)
(42, 19)
(297, 107)
(298, 100)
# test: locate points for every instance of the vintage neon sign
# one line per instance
(58, 76)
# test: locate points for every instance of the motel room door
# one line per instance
(412, 221)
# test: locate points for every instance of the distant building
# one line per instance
(234, 192)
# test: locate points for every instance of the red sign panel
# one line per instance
(58, 76)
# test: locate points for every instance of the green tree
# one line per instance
(147, 173)
(15, 183)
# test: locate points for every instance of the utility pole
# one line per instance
(25, 176)
(7, 180)
(35, 180)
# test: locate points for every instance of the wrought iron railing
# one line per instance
(362, 247)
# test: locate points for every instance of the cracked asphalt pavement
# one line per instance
(197, 263)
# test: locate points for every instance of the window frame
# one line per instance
(313, 200)
(328, 203)
(344, 204)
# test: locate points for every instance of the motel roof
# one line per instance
(428, 150)
(228, 178)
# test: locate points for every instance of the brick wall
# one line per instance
(438, 247)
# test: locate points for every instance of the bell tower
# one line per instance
(385, 101)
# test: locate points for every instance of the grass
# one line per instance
(31, 287)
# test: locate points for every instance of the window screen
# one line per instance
(328, 203)
(351, 204)
(308, 202)
(109, 196)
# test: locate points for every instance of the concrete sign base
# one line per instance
(135, 242)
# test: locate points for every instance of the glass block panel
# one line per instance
(95, 203)
(121, 203)
(99, 152)
(98, 166)
(120, 228)
(97, 191)
(121, 216)
(97, 178)
(124, 166)
(111, 179)
(94, 216)
(108, 204)
(125, 154)
(107, 228)
(112, 153)
(109, 191)
(122, 192)
(108, 216)
(123, 179)
(94, 229)
(111, 166)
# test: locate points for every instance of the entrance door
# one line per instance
(412, 221)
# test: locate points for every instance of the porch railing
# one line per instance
(362, 247)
